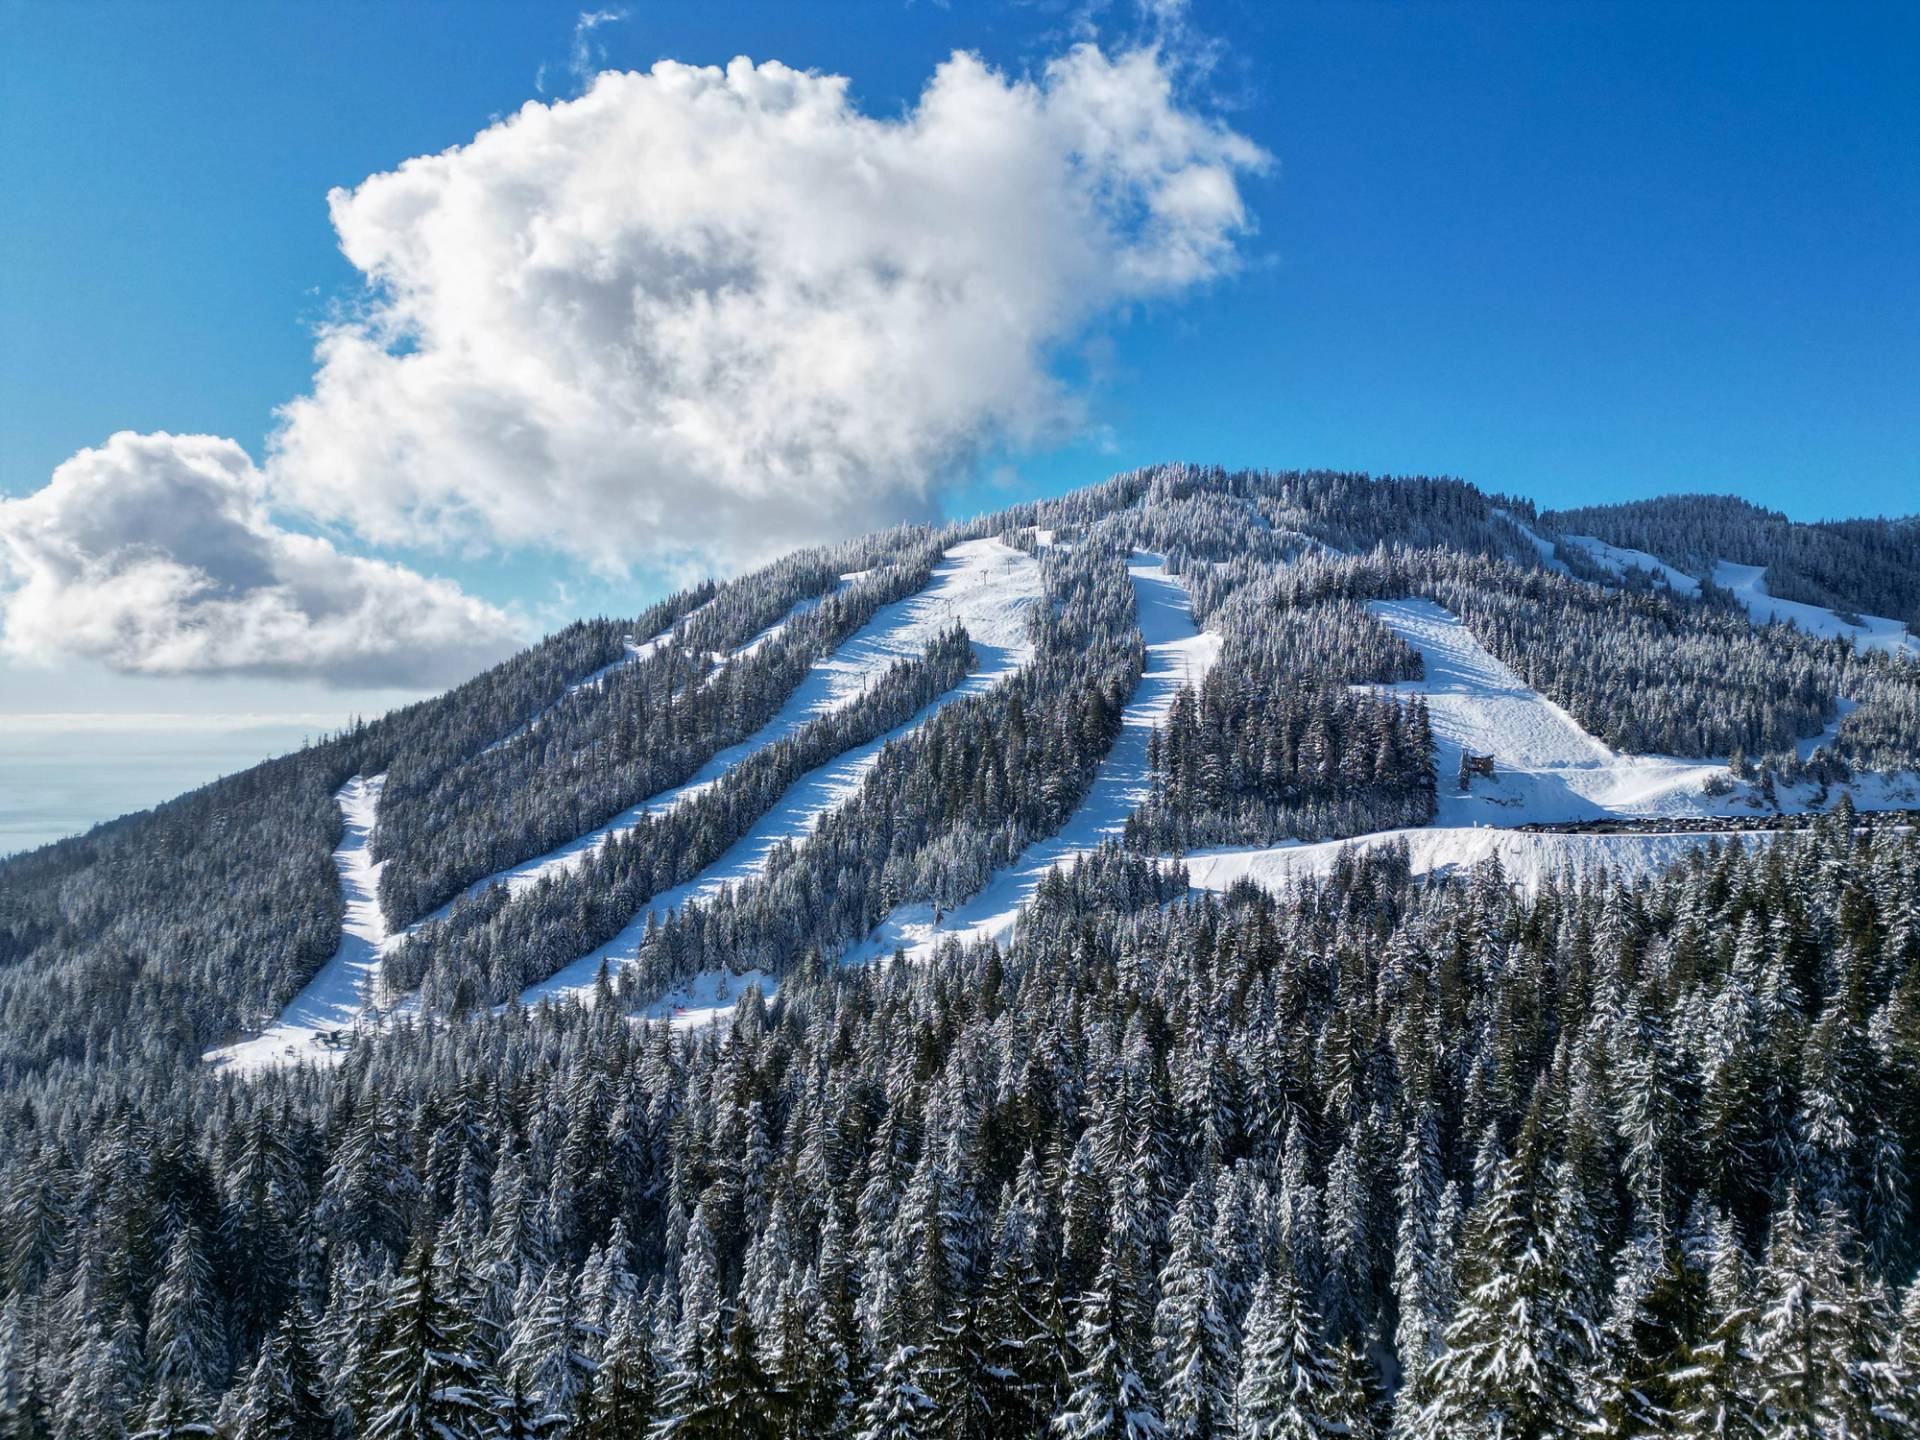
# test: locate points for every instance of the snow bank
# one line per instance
(1178, 654)
(338, 994)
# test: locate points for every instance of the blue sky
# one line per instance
(1578, 252)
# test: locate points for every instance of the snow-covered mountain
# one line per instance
(1140, 931)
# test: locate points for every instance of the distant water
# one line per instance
(60, 775)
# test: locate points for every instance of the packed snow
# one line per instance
(1527, 857)
(709, 997)
(1874, 632)
(986, 586)
(1178, 654)
(338, 995)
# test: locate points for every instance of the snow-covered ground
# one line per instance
(710, 996)
(1875, 632)
(338, 994)
(1527, 857)
(1542, 546)
(1749, 585)
(1178, 654)
(984, 585)
(1617, 560)
(1546, 768)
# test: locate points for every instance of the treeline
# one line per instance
(490, 947)
(1373, 1157)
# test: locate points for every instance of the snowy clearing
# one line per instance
(337, 995)
(709, 997)
(1617, 560)
(1875, 632)
(1527, 857)
(1546, 768)
(1178, 654)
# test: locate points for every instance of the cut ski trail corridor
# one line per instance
(337, 994)
(1178, 654)
(985, 586)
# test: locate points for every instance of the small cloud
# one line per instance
(154, 555)
(587, 56)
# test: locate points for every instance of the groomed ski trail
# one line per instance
(1178, 654)
(338, 993)
(1546, 767)
(984, 585)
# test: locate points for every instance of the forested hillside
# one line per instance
(1369, 1158)
(636, 1127)
(1870, 566)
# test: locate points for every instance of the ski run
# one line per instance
(338, 995)
(985, 586)
(1178, 654)
(1546, 770)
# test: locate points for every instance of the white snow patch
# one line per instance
(1875, 632)
(1542, 546)
(1178, 654)
(1617, 560)
(1527, 857)
(1546, 768)
(707, 998)
(339, 993)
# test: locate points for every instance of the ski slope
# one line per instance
(1875, 632)
(340, 991)
(1617, 560)
(1178, 654)
(986, 586)
(1546, 768)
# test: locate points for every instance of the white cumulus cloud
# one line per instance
(155, 554)
(716, 313)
